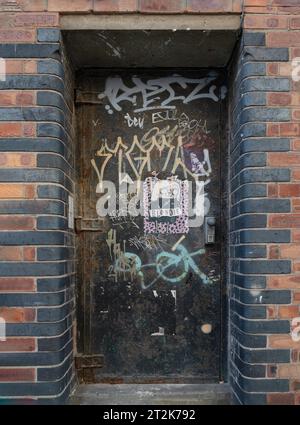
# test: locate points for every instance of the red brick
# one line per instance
(288, 371)
(273, 130)
(14, 160)
(295, 23)
(115, 6)
(283, 39)
(17, 314)
(33, 20)
(16, 191)
(29, 129)
(29, 253)
(271, 312)
(19, 98)
(295, 52)
(296, 145)
(10, 129)
(276, 159)
(296, 267)
(18, 345)
(10, 253)
(279, 99)
(18, 284)
(296, 205)
(296, 175)
(208, 6)
(33, 6)
(265, 22)
(273, 190)
(281, 398)
(70, 5)
(237, 6)
(287, 190)
(296, 235)
(164, 6)
(289, 129)
(16, 223)
(260, 3)
(284, 220)
(296, 115)
(284, 282)
(274, 252)
(17, 375)
(296, 297)
(289, 10)
(285, 2)
(288, 312)
(282, 342)
(17, 36)
(273, 69)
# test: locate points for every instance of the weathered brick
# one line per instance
(289, 190)
(284, 220)
(283, 39)
(16, 222)
(17, 375)
(33, 6)
(115, 6)
(17, 314)
(17, 36)
(16, 191)
(10, 129)
(70, 6)
(282, 342)
(283, 158)
(284, 282)
(289, 371)
(18, 345)
(206, 6)
(29, 253)
(17, 285)
(10, 253)
(288, 312)
(279, 99)
(11, 98)
(265, 21)
(36, 19)
(295, 22)
(17, 160)
(281, 398)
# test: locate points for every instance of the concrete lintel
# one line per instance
(230, 22)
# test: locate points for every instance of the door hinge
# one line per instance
(89, 224)
(87, 365)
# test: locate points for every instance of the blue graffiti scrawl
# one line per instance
(166, 262)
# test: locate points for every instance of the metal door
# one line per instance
(149, 223)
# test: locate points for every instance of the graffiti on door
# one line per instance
(155, 181)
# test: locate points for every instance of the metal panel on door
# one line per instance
(149, 223)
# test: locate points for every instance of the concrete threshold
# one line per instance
(152, 394)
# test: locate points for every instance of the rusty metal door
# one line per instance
(148, 223)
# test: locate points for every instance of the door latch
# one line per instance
(210, 230)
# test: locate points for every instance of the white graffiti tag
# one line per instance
(157, 93)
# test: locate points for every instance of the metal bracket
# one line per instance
(89, 224)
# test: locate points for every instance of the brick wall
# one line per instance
(36, 175)
(265, 280)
